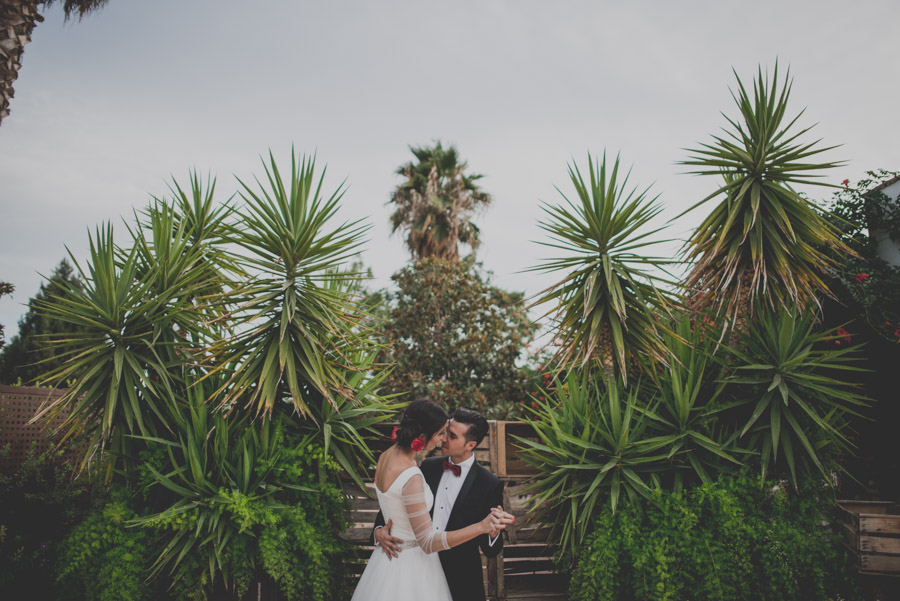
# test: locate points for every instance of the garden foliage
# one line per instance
(740, 538)
(219, 367)
(455, 338)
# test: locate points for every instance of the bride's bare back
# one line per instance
(390, 465)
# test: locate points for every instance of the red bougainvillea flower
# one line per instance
(417, 444)
(843, 336)
(394, 433)
(533, 405)
(897, 334)
(861, 277)
(846, 182)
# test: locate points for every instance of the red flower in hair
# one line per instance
(394, 433)
(417, 444)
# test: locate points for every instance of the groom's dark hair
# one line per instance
(478, 426)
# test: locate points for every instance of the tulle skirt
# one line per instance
(413, 576)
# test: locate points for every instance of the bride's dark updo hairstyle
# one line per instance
(422, 417)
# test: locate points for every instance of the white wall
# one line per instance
(888, 249)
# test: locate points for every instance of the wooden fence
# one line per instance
(18, 404)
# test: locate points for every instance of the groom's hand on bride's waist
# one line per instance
(390, 544)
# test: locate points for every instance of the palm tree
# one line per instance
(435, 203)
(763, 241)
(18, 19)
(608, 305)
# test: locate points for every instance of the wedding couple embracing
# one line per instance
(433, 518)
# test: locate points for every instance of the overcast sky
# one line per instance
(108, 109)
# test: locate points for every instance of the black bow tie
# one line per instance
(456, 469)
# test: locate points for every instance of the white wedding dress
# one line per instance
(416, 574)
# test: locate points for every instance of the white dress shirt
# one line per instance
(447, 491)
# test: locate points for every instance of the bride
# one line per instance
(405, 499)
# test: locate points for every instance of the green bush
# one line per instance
(286, 540)
(40, 503)
(104, 559)
(735, 539)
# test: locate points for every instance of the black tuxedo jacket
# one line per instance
(462, 564)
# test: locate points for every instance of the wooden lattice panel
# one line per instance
(18, 405)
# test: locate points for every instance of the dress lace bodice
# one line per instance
(407, 502)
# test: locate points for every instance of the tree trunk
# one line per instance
(17, 20)
(744, 310)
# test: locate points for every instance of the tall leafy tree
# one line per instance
(30, 354)
(435, 204)
(454, 337)
(763, 241)
(18, 19)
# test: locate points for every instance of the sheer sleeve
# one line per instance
(429, 539)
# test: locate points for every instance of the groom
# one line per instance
(464, 492)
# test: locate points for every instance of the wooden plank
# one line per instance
(363, 504)
(879, 544)
(528, 565)
(356, 534)
(870, 507)
(492, 577)
(501, 450)
(879, 563)
(851, 537)
(511, 530)
(534, 549)
(492, 433)
(880, 524)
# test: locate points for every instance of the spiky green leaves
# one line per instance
(608, 304)
(289, 315)
(592, 449)
(793, 391)
(763, 240)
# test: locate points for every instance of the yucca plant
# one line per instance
(764, 241)
(791, 379)
(206, 223)
(608, 306)
(216, 464)
(240, 498)
(118, 366)
(344, 426)
(592, 449)
(286, 313)
(685, 418)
